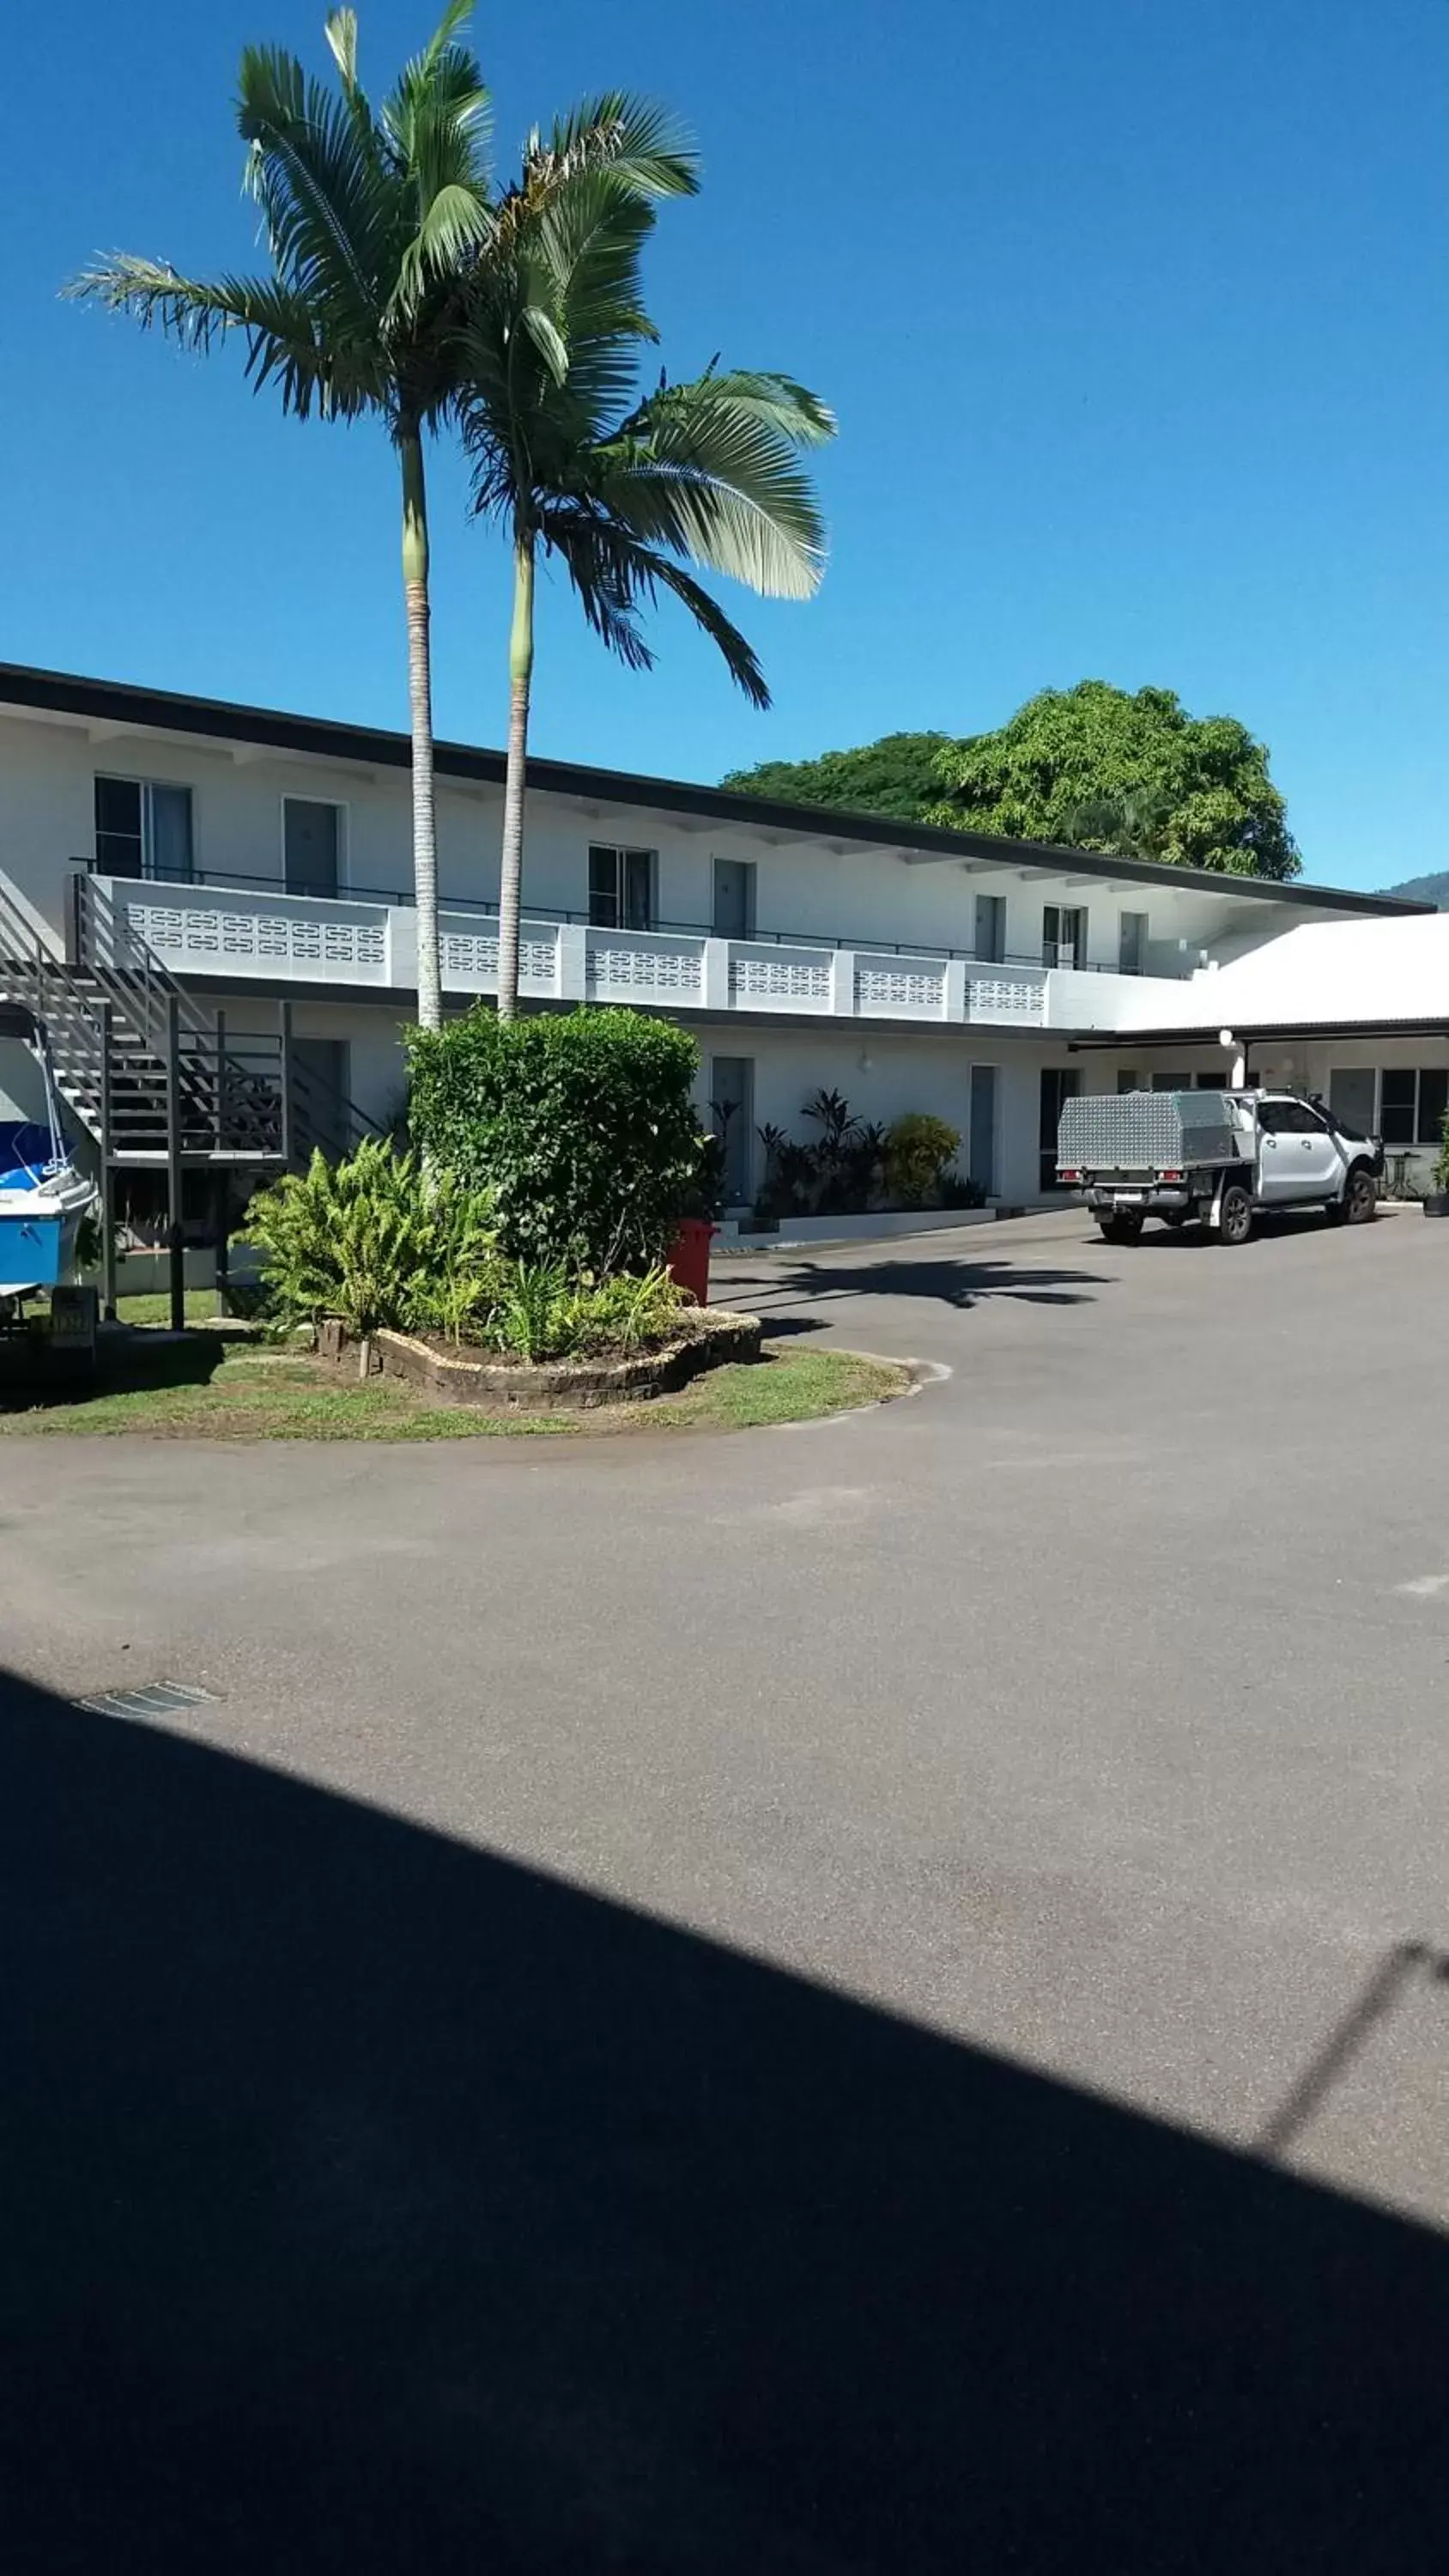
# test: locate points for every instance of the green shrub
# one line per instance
(918, 1152)
(627, 1314)
(1441, 1161)
(580, 1126)
(541, 1313)
(374, 1242)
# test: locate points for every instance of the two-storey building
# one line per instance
(248, 873)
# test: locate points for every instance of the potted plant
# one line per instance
(686, 1258)
(1437, 1201)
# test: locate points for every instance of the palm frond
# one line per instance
(639, 142)
(283, 342)
(739, 655)
(611, 572)
(340, 31)
(438, 116)
(711, 473)
(604, 589)
(330, 211)
(780, 401)
(580, 264)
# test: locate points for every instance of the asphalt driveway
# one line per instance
(866, 1996)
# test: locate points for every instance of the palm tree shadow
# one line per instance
(373, 2202)
(959, 1283)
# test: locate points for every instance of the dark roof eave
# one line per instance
(166, 710)
(1252, 1033)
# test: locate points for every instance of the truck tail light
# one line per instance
(1071, 1176)
(1169, 1176)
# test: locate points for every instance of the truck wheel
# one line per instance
(1235, 1215)
(1120, 1227)
(1360, 1202)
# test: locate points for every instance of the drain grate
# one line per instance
(158, 1699)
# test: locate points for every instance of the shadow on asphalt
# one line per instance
(962, 1284)
(373, 2203)
(31, 1373)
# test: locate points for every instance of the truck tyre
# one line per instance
(1235, 1214)
(1360, 1202)
(1119, 1225)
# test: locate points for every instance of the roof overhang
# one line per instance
(111, 709)
(1254, 1033)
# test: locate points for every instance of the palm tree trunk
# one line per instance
(520, 684)
(420, 695)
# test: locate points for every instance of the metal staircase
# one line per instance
(153, 1081)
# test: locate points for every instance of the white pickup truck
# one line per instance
(1219, 1157)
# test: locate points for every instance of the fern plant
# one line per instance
(534, 1316)
(372, 1241)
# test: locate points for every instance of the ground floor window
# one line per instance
(1059, 1084)
(981, 1129)
(732, 1116)
(1412, 1104)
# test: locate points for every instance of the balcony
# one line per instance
(235, 932)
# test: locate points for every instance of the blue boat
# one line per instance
(44, 1200)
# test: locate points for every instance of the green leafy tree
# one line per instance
(1099, 768)
(899, 776)
(625, 493)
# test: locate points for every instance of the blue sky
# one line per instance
(1133, 314)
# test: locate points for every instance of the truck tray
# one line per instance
(1150, 1131)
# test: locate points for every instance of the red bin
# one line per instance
(687, 1260)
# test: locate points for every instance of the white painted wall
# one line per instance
(882, 1074)
(857, 897)
(1315, 971)
(1274, 964)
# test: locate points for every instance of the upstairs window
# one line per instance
(1132, 943)
(621, 888)
(1063, 935)
(143, 829)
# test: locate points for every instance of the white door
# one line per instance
(1275, 1167)
(1297, 1158)
(1319, 1162)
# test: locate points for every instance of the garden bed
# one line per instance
(195, 1387)
(447, 1373)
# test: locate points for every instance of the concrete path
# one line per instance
(1084, 1714)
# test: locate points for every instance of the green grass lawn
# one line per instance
(232, 1394)
(155, 1307)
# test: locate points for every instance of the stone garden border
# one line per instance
(713, 1338)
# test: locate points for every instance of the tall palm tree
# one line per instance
(625, 492)
(369, 215)
(375, 219)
